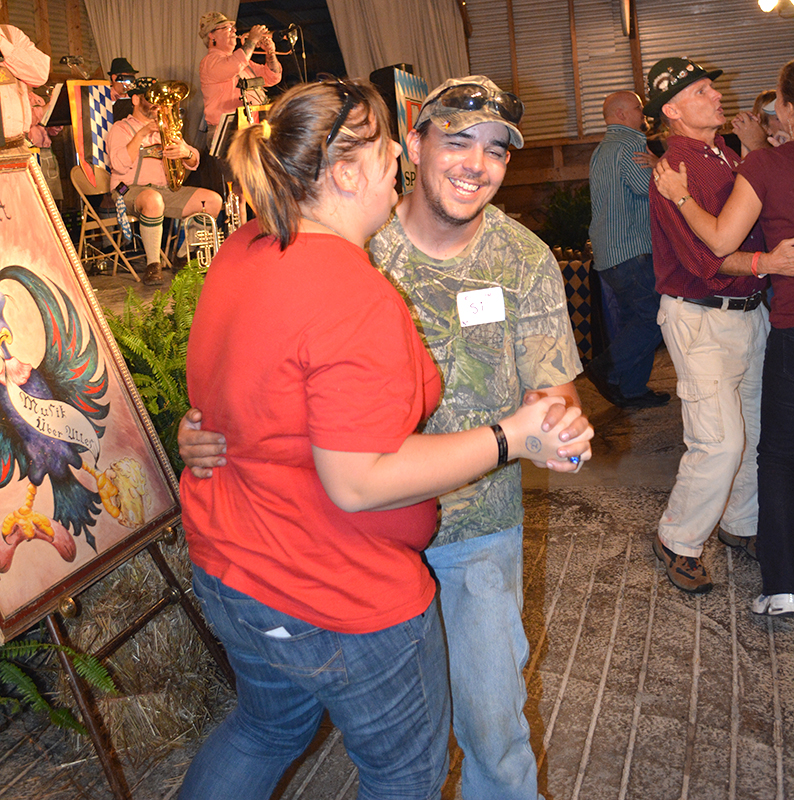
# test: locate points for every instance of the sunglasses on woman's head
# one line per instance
(350, 96)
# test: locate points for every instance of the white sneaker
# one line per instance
(774, 605)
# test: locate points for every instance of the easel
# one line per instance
(92, 718)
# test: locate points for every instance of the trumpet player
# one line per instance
(224, 65)
(138, 176)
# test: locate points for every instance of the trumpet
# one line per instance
(231, 206)
(167, 95)
(289, 34)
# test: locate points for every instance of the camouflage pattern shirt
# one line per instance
(485, 368)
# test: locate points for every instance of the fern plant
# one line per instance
(152, 337)
(14, 676)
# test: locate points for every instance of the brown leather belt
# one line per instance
(9, 144)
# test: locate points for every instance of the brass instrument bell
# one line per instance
(167, 95)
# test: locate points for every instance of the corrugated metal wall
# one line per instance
(543, 51)
(733, 35)
(604, 58)
(21, 14)
(489, 46)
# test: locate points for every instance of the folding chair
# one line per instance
(92, 225)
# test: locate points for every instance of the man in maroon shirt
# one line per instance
(714, 326)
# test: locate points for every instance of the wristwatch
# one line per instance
(683, 200)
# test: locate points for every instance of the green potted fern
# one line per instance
(18, 689)
(152, 337)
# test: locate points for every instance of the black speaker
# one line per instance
(383, 79)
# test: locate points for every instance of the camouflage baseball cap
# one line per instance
(668, 77)
(460, 103)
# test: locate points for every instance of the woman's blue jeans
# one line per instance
(775, 541)
(386, 691)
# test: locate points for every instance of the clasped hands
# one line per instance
(538, 428)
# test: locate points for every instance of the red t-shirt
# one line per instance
(771, 174)
(311, 346)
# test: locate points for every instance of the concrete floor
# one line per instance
(635, 689)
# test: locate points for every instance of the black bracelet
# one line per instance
(501, 440)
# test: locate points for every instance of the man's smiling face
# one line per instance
(459, 174)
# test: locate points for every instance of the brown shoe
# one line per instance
(178, 263)
(685, 572)
(153, 275)
(746, 543)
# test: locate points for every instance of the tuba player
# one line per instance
(138, 175)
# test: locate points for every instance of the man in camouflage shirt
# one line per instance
(443, 246)
(456, 259)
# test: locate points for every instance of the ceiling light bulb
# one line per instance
(767, 5)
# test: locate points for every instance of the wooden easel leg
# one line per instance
(193, 615)
(91, 716)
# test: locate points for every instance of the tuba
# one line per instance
(167, 95)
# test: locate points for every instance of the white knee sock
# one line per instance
(151, 236)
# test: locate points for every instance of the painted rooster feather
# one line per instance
(68, 374)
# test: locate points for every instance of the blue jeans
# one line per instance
(775, 467)
(481, 591)
(628, 361)
(385, 691)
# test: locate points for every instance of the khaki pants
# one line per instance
(719, 358)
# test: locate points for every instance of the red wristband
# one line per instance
(754, 264)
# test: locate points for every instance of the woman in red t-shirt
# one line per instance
(764, 190)
(307, 544)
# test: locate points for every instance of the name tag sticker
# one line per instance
(481, 306)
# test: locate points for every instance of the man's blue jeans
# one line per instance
(386, 691)
(628, 361)
(481, 591)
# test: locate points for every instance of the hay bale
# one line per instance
(168, 682)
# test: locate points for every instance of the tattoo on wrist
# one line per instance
(533, 444)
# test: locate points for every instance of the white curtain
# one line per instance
(378, 33)
(159, 38)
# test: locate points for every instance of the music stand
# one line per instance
(57, 111)
(223, 135)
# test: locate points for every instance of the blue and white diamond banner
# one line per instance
(410, 91)
(100, 108)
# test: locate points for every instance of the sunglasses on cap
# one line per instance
(473, 97)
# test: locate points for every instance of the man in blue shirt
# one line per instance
(620, 233)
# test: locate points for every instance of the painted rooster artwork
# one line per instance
(51, 424)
